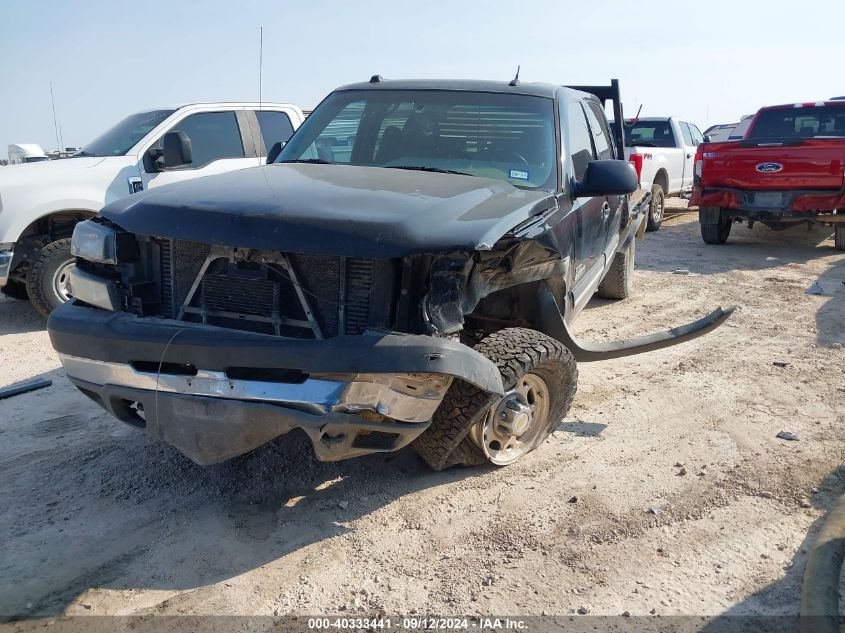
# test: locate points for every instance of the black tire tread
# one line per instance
(715, 233)
(35, 288)
(839, 237)
(617, 283)
(515, 351)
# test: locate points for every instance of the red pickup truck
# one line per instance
(789, 169)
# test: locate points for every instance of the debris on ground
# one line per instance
(24, 387)
(780, 363)
(788, 435)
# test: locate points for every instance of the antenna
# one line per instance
(260, 61)
(55, 124)
(515, 80)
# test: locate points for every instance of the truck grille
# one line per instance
(263, 297)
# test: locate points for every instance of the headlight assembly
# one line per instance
(101, 244)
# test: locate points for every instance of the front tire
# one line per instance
(619, 280)
(839, 237)
(47, 281)
(716, 233)
(656, 208)
(540, 378)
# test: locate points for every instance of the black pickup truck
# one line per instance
(405, 270)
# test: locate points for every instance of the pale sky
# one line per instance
(708, 62)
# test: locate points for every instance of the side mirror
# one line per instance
(607, 178)
(175, 151)
(274, 152)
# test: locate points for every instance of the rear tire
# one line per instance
(519, 353)
(15, 290)
(839, 237)
(656, 208)
(47, 279)
(619, 280)
(716, 233)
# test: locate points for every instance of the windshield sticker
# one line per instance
(518, 174)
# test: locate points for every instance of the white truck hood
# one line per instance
(32, 190)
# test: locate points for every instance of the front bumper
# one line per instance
(5, 265)
(216, 393)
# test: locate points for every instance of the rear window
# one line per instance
(804, 122)
(649, 134)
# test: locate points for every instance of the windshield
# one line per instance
(123, 136)
(806, 122)
(500, 136)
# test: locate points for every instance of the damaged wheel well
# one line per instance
(516, 306)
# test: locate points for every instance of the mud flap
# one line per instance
(554, 325)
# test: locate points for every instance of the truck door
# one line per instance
(591, 214)
(603, 145)
(219, 144)
(689, 146)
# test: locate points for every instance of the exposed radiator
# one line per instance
(263, 298)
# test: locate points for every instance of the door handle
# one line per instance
(605, 211)
(689, 155)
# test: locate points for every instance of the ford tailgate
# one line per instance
(813, 163)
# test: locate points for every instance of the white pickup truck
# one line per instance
(40, 203)
(662, 150)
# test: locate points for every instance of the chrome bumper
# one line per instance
(210, 417)
(404, 397)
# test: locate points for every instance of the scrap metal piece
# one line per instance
(24, 387)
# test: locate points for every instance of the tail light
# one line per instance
(699, 160)
(637, 162)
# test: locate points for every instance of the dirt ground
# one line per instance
(664, 491)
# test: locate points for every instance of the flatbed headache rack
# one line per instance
(605, 94)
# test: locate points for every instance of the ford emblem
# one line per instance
(769, 168)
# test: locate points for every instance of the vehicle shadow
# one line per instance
(775, 607)
(759, 248)
(17, 317)
(830, 326)
(91, 504)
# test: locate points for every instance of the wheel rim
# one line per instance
(511, 427)
(61, 281)
(657, 208)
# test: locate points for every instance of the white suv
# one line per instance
(40, 203)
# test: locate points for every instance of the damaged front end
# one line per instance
(219, 349)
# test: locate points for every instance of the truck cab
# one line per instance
(41, 203)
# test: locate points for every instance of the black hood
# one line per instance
(332, 210)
